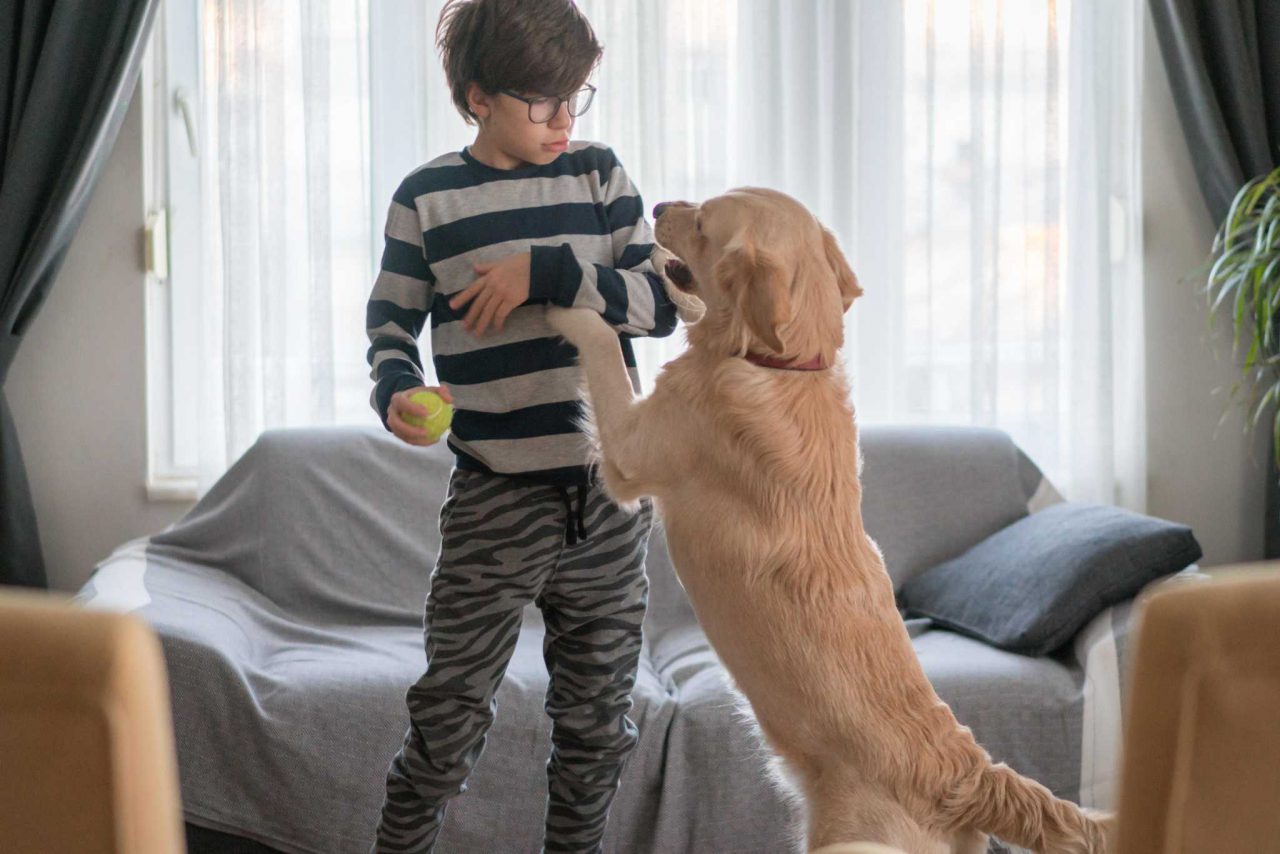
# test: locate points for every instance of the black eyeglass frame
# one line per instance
(586, 87)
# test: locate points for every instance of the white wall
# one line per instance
(77, 389)
(1207, 476)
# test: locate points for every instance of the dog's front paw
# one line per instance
(622, 489)
(689, 308)
(578, 326)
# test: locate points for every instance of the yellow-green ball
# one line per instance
(440, 414)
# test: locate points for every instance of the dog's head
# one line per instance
(771, 276)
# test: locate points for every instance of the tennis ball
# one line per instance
(439, 414)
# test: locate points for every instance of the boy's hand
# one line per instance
(502, 287)
(400, 403)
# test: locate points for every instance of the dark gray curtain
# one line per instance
(68, 69)
(1223, 59)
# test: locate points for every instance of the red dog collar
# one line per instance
(814, 364)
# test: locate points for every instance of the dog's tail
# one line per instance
(997, 800)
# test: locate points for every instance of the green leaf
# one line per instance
(1234, 237)
(1243, 267)
(1242, 295)
(1271, 273)
(1227, 262)
(1269, 223)
(1226, 285)
(1257, 412)
(1275, 434)
(1233, 214)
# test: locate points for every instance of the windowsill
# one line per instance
(171, 489)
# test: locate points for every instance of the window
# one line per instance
(978, 162)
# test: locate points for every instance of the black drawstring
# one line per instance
(572, 532)
(582, 506)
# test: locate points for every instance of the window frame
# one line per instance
(173, 242)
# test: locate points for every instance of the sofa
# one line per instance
(289, 605)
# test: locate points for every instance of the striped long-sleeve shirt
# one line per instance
(516, 391)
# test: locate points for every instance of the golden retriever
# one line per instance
(749, 448)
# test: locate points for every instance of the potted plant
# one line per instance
(1244, 282)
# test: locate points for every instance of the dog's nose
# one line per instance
(662, 206)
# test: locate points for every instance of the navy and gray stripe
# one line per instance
(583, 222)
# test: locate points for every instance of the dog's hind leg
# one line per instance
(969, 842)
(857, 848)
(865, 815)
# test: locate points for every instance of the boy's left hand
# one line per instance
(502, 287)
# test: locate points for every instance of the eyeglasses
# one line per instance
(543, 108)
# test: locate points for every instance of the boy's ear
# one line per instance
(759, 285)
(478, 100)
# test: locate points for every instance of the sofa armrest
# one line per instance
(1111, 631)
(1102, 649)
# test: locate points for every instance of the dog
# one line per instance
(748, 446)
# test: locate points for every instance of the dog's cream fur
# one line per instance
(755, 472)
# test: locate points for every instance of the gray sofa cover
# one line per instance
(289, 603)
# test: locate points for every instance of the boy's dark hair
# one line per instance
(545, 47)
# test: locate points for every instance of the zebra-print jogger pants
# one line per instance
(505, 543)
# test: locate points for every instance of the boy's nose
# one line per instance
(562, 118)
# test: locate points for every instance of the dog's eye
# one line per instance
(697, 223)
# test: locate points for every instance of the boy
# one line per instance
(481, 240)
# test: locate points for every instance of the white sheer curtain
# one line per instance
(976, 159)
(285, 178)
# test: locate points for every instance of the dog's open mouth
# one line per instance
(679, 274)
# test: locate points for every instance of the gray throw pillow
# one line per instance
(1032, 585)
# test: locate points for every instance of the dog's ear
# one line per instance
(759, 285)
(845, 278)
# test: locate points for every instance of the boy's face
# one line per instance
(509, 138)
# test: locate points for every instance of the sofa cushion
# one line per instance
(1031, 586)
